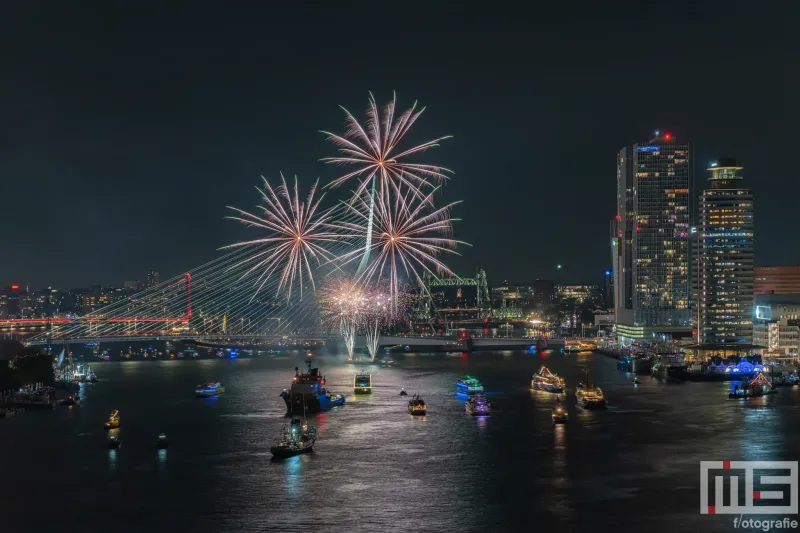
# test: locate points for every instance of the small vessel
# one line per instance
(362, 383)
(416, 406)
(469, 385)
(162, 441)
(113, 420)
(477, 405)
(69, 400)
(590, 397)
(298, 438)
(636, 380)
(547, 381)
(387, 362)
(308, 394)
(559, 414)
(114, 442)
(758, 386)
(206, 390)
(403, 392)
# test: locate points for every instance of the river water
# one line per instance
(631, 467)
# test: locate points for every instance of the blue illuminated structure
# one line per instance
(648, 148)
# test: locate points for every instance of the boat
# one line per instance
(298, 438)
(362, 383)
(559, 414)
(758, 386)
(69, 400)
(416, 406)
(114, 442)
(162, 441)
(469, 385)
(547, 381)
(477, 405)
(387, 362)
(403, 392)
(590, 397)
(308, 393)
(635, 380)
(113, 420)
(206, 390)
(36, 399)
(635, 363)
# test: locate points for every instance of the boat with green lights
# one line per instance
(469, 385)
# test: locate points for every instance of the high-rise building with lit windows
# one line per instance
(725, 262)
(650, 240)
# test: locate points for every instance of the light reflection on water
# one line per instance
(375, 467)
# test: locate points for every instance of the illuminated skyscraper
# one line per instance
(650, 240)
(152, 278)
(725, 262)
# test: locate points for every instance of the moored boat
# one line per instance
(469, 385)
(416, 406)
(477, 405)
(162, 441)
(547, 381)
(206, 390)
(114, 442)
(362, 383)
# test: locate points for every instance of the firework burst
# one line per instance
(342, 302)
(407, 236)
(373, 149)
(298, 233)
(381, 308)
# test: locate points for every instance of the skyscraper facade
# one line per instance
(152, 278)
(650, 240)
(725, 262)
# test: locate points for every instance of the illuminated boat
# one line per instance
(113, 420)
(308, 394)
(758, 386)
(206, 390)
(469, 385)
(545, 380)
(114, 442)
(477, 405)
(69, 400)
(590, 397)
(559, 414)
(162, 441)
(362, 383)
(416, 406)
(297, 439)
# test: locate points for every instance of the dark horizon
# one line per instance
(126, 132)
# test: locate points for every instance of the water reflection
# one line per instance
(162, 459)
(112, 460)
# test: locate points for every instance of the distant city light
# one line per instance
(14, 287)
(657, 133)
(713, 164)
(608, 272)
(667, 136)
(558, 267)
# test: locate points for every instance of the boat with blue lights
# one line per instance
(209, 389)
(469, 386)
(308, 393)
(758, 386)
(547, 381)
(362, 383)
(477, 405)
(297, 439)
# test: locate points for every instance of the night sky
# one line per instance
(124, 133)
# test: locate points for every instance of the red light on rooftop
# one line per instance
(638, 228)
(14, 287)
(618, 217)
(667, 136)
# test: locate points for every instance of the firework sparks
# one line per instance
(342, 301)
(373, 149)
(298, 231)
(408, 235)
(380, 309)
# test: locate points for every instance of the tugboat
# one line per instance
(362, 383)
(308, 394)
(298, 438)
(114, 442)
(416, 406)
(469, 386)
(477, 405)
(162, 441)
(547, 381)
(559, 414)
(209, 389)
(113, 420)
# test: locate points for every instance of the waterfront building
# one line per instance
(725, 259)
(578, 293)
(544, 291)
(152, 278)
(777, 328)
(650, 240)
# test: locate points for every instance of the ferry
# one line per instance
(547, 381)
(113, 420)
(308, 394)
(469, 385)
(297, 439)
(206, 390)
(477, 405)
(590, 397)
(362, 383)
(416, 406)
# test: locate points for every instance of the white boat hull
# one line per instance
(208, 394)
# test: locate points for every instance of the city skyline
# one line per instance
(134, 169)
